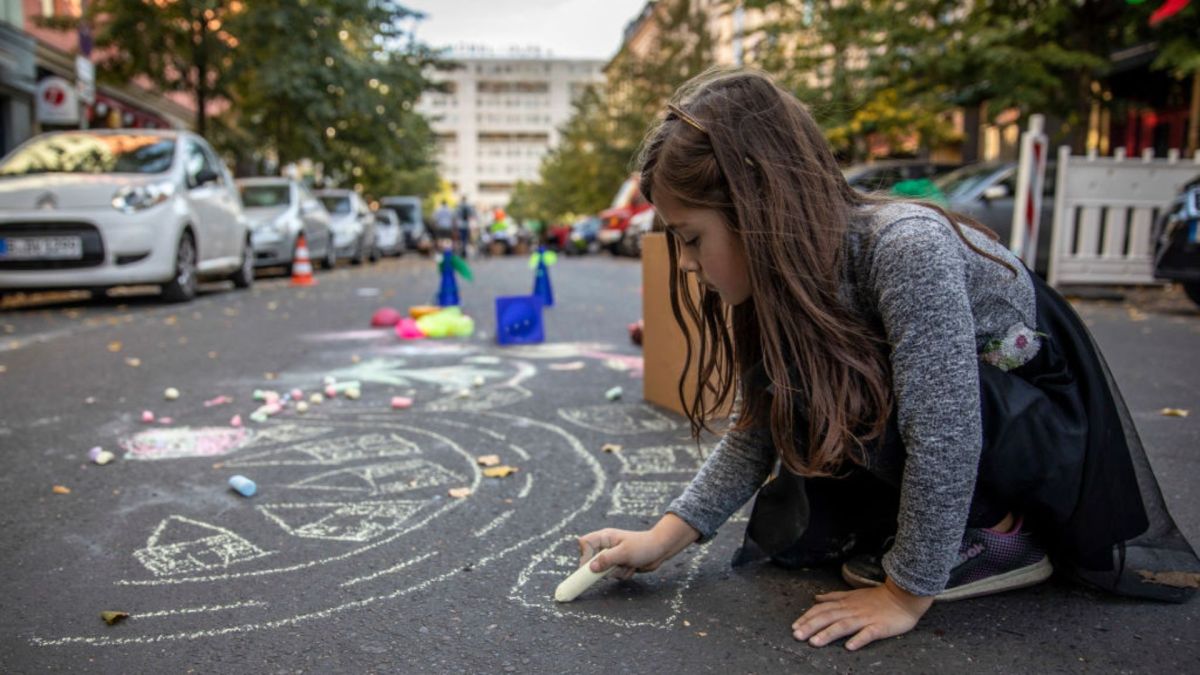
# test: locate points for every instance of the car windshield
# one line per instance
(91, 153)
(407, 213)
(263, 196)
(963, 181)
(336, 205)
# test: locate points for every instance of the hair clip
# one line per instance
(678, 112)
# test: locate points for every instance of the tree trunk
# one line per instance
(200, 58)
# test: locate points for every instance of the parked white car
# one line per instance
(389, 238)
(96, 209)
(352, 223)
(279, 211)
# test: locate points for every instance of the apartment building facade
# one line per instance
(499, 115)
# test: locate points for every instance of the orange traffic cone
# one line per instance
(302, 273)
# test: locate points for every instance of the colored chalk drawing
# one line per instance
(184, 546)
(179, 442)
(619, 419)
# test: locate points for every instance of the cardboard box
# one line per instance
(663, 346)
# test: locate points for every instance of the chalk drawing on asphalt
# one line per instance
(180, 442)
(619, 419)
(681, 458)
(644, 497)
(331, 451)
(652, 600)
(358, 521)
(385, 478)
(181, 545)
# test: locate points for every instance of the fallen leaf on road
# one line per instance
(460, 492)
(488, 460)
(500, 471)
(3, 369)
(114, 346)
(1176, 579)
(573, 365)
(61, 490)
(133, 362)
(171, 320)
(112, 617)
(610, 447)
(1173, 412)
(1136, 315)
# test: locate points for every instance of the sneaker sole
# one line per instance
(1023, 577)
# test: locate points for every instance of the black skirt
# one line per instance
(1059, 447)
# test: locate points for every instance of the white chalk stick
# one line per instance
(579, 581)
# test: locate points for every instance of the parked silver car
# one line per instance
(96, 209)
(279, 211)
(408, 212)
(352, 223)
(389, 236)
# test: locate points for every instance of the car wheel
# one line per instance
(244, 276)
(1192, 288)
(183, 286)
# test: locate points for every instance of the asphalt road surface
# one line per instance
(353, 556)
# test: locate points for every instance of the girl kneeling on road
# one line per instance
(929, 414)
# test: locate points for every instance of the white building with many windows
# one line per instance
(500, 115)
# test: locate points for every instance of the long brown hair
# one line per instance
(736, 142)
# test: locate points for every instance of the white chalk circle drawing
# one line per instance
(344, 522)
(368, 532)
(619, 419)
(330, 451)
(650, 600)
(385, 478)
(180, 442)
(661, 459)
(644, 497)
(184, 546)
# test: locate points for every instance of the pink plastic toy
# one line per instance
(385, 316)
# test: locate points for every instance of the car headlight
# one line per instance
(132, 198)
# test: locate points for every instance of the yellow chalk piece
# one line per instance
(500, 471)
(61, 490)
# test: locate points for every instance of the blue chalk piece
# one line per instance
(244, 486)
(519, 320)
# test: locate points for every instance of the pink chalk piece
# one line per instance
(94, 453)
(385, 317)
(401, 402)
(271, 397)
(235, 421)
(147, 417)
(165, 420)
(297, 394)
(272, 408)
(407, 329)
(330, 391)
(220, 400)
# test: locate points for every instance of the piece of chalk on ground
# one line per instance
(243, 485)
(579, 581)
(613, 394)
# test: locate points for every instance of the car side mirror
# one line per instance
(206, 176)
(995, 192)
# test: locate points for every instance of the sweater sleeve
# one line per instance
(919, 280)
(734, 471)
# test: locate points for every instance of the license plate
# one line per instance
(33, 248)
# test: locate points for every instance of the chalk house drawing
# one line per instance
(659, 596)
(644, 497)
(618, 419)
(331, 451)
(342, 522)
(661, 459)
(285, 433)
(181, 546)
(387, 478)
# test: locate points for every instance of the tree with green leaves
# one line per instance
(179, 45)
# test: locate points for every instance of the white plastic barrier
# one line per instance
(1104, 210)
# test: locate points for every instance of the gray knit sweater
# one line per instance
(942, 307)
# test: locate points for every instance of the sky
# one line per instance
(567, 28)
